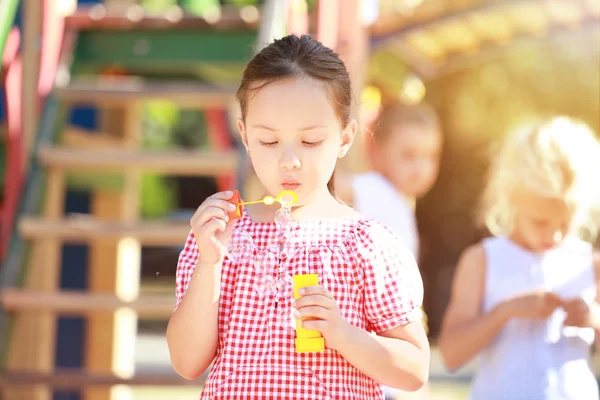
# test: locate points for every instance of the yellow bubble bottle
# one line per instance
(307, 340)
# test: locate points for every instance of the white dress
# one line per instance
(537, 360)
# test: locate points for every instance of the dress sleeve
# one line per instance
(393, 287)
(185, 267)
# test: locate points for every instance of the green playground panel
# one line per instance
(175, 50)
(157, 193)
(218, 74)
(218, 57)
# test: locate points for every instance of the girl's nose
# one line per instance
(290, 160)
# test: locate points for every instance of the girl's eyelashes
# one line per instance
(305, 143)
(312, 144)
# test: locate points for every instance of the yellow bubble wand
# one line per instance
(287, 198)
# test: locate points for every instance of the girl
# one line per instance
(526, 300)
(233, 276)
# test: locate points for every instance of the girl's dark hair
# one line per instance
(293, 56)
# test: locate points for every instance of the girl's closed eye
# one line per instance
(268, 143)
(309, 143)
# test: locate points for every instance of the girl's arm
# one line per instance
(192, 333)
(398, 358)
(464, 331)
(580, 313)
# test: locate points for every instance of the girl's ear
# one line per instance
(242, 130)
(348, 135)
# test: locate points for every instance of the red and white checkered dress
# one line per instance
(372, 276)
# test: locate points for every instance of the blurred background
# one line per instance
(117, 119)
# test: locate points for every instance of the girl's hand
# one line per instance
(539, 304)
(581, 314)
(212, 227)
(318, 303)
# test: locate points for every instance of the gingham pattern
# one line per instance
(374, 279)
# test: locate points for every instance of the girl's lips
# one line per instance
(290, 186)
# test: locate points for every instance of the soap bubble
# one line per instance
(269, 261)
(265, 263)
(241, 248)
(265, 285)
(283, 218)
(283, 286)
(285, 317)
(285, 246)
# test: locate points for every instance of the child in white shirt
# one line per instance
(404, 154)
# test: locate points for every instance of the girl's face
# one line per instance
(410, 159)
(294, 137)
(540, 223)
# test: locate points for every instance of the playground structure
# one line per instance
(116, 57)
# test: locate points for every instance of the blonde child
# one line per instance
(295, 99)
(526, 299)
(405, 154)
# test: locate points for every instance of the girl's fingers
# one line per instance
(208, 214)
(225, 195)
(315, 324)
(214, 225)
(313, 312)
(316, 290)
(216, 200)
(314, 300)
(222, 204)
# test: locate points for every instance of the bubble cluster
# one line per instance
(269, 263)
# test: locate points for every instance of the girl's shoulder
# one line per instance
(375, 243)
(369, 231)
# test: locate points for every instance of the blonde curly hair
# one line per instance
(558, 158)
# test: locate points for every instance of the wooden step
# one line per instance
(67, 378)
(134, 17)
(150, 307)
(85, 228)
(164, 162)
(120, 90)
(75, 137)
